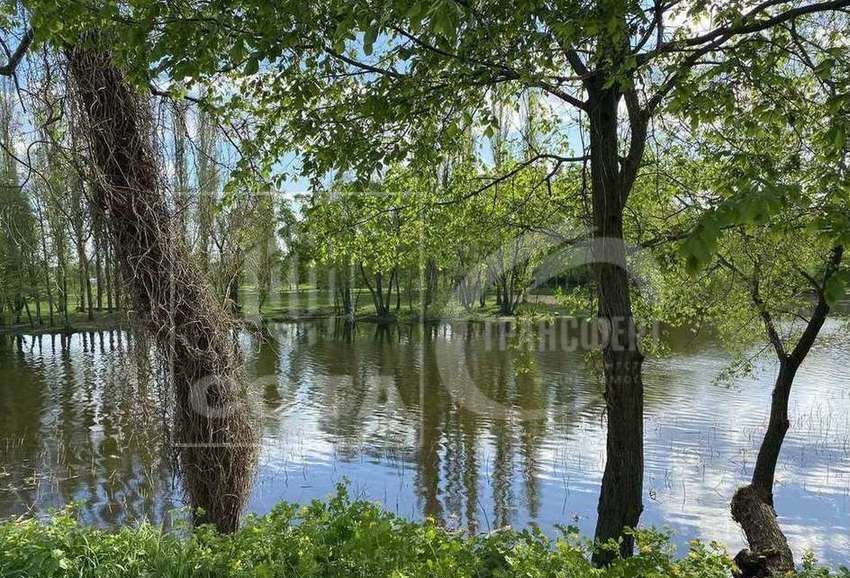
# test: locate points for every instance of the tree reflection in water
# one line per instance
(476, 426)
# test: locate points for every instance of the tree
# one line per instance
(17, 220)
(369, 84)
(218, 445)
(770, 203)
(371, 231)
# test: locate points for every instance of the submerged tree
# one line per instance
(768, 187)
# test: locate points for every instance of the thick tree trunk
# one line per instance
(215, 438)
(769, 553)
(752, 505)
(620, 499)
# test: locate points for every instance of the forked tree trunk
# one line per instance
(620, 499)
(214, 435)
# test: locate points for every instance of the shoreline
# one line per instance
(120, 320)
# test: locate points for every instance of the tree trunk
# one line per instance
(430, 292)
(29, 313)
(108, 278)
(116, 280)
(768, 456)
(752, 505)
(769, 553)
(65, 305)
(81, 270)
(90, 301)
(216, 440)
(37, 297)
(98, 272)
(397, 291)
(46, 263)
(49, 293)
(620, 499)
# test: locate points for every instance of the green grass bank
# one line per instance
(339, 538)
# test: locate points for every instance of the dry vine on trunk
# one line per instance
(213, 430)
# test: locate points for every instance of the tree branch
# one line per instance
(758, 301)
(748, 25)
(365, 66)
(638, 125)
(15, 58)
(810, 333)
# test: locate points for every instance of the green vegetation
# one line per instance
(339, 538)
(454, 151)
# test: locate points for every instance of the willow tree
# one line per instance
(358, 85)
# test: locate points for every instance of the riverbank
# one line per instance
(77, 322)
(302, 305)
(337, 538)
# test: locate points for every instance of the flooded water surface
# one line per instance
(463, 422)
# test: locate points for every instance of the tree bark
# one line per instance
(778, 424)
(753, 505)
(620, 499)
(769, 553)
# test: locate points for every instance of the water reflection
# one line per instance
(461, 422)
(82, 423)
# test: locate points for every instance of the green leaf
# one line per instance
(252, 66)
(369, 38)
(835, 289)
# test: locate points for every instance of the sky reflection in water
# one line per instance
(455, 421)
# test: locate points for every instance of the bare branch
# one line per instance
(15, 58)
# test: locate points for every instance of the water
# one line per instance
(455, 421)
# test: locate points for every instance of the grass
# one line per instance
(339, 538)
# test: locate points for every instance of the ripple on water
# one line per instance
(398, 412)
